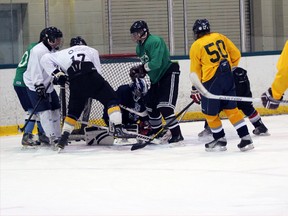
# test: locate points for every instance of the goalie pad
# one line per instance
(98, 136)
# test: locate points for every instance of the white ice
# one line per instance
(179, 180)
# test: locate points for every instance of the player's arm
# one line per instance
(50, 66)
(280, 83)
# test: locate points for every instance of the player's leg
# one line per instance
(104, 93)
(242, 87)
(77, 100)
(168, 94)
(28, 138)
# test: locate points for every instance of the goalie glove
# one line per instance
(268, 101)
(59, 77)
(195, 95)
(137, 72)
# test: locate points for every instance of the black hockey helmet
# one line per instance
(77, 41)
(52, 33)
(201, 26)
(139, 26)
(42, 35)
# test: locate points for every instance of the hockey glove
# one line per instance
(268, 101)
(59, 77)
(195, 95)
(40, 90)
(137, 72)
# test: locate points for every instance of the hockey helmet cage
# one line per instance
(138, 26)
(139, 88)
(77, 41)
(52, 33)
(201, 26)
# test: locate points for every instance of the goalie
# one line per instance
(131, 97)
(82, 65)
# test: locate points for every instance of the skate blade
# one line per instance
(216, 149)
(247, 148)
(27, 147)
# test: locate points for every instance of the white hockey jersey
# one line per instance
(63, 59)
(35, 74)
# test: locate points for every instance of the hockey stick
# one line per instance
(141, 114)
(203, 91)
(142, 145)
(34, 110)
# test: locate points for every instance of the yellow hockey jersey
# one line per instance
(207, 51)
(280, 83)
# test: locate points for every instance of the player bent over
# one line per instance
(82, 65)
(211, 57)
(242, 85)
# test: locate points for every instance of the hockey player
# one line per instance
(82, 65)
(211, 57)
(39, 86)
(164, 76)
(21, 91)
(242, 86)
(272, 97)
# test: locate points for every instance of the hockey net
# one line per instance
(115, 69)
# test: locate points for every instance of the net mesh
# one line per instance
(115, 69)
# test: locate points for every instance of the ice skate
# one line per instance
(43, 139)
(216, 145)
(120, 133)
(246, 143)
(206, 132)
(62, 142)
(176, 139)
(28, 141)
(261, 130)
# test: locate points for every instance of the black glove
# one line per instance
(268, 101)
(137, 72)
(40, 90)
(59, 77)
(195, 95)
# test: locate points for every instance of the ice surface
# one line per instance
(178, 180)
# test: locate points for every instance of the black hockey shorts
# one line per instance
(89, 85)
(165, 92)
(221, 84)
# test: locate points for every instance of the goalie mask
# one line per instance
(77, 41)
(200, 27)
(139, 89)
(139, 30)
